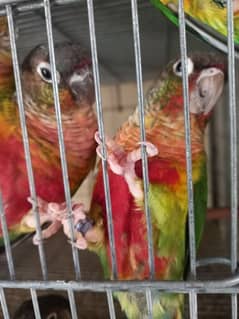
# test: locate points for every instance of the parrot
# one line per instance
(51, 307)
(167, 193)
(76, 95)
(206, 18)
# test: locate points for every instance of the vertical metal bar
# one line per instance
(191, 221)
(75, 254)
(6, 239)
(233, 144)
(35, 304)
(149, 301)
(72, 301)
(25, 139)
(4, 304)
(111, 304)
(102, 135)
(193, 305)
(138, 64)
(234, 306)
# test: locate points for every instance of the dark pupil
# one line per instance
(46, 73)
(179, 67)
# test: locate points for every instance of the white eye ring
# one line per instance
(44, 70)
(177, 67)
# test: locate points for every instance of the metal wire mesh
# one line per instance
(191, 287)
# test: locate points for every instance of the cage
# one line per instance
(130, 42)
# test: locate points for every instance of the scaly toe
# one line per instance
(80, 243)
(151, 149)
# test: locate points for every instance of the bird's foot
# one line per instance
(123, 163)
(51, 230)
(82, 224)
(56, 214)
(49, 213)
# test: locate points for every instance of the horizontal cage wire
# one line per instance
(123, 38)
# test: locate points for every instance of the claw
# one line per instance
(97, 138)
(114, 152)
(151, 150)
(56, 215)
(80, 243)
(51, 230)
(123, 163)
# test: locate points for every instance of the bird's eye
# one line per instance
(178, 70)
(44, 70)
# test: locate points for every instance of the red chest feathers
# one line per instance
(129, 220)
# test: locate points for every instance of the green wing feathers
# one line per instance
(200, 203)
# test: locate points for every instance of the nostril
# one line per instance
(202, 93)
(213, 71)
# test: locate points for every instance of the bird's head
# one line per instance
(51, 307)
(74, 77)
(206, 78)
(165, 103)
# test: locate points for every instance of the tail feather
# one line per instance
(165, 305)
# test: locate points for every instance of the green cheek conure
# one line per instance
(76, 94)
(168, 200)
(206, 18)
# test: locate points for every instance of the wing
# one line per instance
(200, 203)
(7, 87)
(204, 19)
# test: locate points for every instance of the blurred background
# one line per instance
(159, 44)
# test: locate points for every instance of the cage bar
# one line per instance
(228, 285)
(138, 65)
(72, 301)
(65, 176)
(193, 309)
(191, 221)
(111, 304)
(233, 145)
(6, 239)
(4, 304)
(25, 138)
(3, 2)
(149, 301)
(35, 304)
(24, 7)
(95, 65)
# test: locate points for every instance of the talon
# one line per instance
(123, 163)
(97, 138)
(150, 148)
(114, 152)
(36, 241)
(100, 153)
(80, 243)
(51, 230)
(136, 155)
